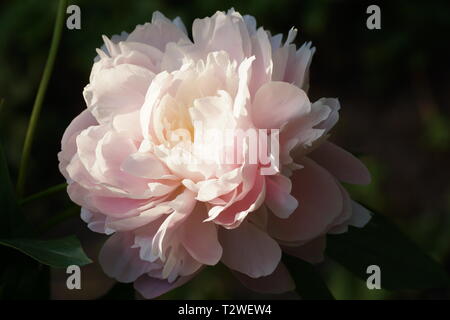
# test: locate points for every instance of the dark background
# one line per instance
(393, 85)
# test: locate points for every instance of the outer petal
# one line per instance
(298, 71)
(311, 252)
(300, 133)
(360, 215)
(342, 164)
(276, 103)
(200, 238)
(95, 221)
(249, 250)
(117, 90)
(227, 32)
(120, 261)
(278, 197)
(340, 225)
(68, 142)
(151, 288)
(334, 106)
(320, 203)
(263, 66)
(158, 33)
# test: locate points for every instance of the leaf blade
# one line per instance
(403, 264)
(58, 253)
(309, 284)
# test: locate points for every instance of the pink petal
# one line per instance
(342, 164)
(120, 261)
(151, 288)
(158, 33)
(199, 238)
(298, 72)
(249, 250)
(226, 32)
(360, 215)
(233, 215)
(262, 67)
(340, 225)
(278, 197)
(81, 122)
(129, 123)
(320, 204)
(276, 103)
(118, 207)
(334, 106)
(311, 252)
(117, 90)
(137, 221)
(95, 221)
(68, 143)
(145, 165)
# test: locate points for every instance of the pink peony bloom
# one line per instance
(130, 159)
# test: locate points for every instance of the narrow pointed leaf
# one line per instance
(58, 253)
(309, 284)
(402, 263)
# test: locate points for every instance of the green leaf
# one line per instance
(12, 221)
(309, 284)
(403, 265)
(58, 253)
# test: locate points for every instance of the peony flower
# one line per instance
(139, 163)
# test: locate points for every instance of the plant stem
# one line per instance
(40, 97)
(44, 193)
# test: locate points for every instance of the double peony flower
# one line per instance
(149, 92)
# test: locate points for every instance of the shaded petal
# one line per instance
(312, 252)
(151, 288)
(342, 164)
(68, 142)
(249, 250)
(120, 260)
(95, 221)
(360, 215)
(233, 215)
(320, 201)
(200, 238)
(278, 197)
(340, 225)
